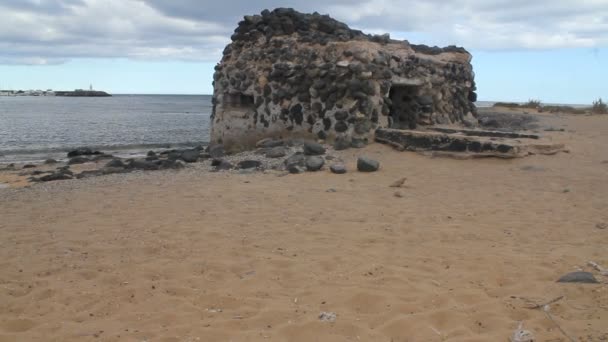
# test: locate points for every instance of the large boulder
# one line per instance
(314, 163)
(190, 156)
(78, 160)
(85, 151)
(313, 149)
(365, 164)
(296, 163)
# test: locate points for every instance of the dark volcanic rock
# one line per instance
(222, 165)
(276, 152)
(82, 152)
(50, 161)
(314, 163)
(270, 143)
(578, 277)
(116, 163)
(367, 165)
(313, 149)
(217, 151)
(78, 160)
(141, 164)
(190, 156)
(341, 144)
(29, 166)
(338, 169)
(57, 175)
(295, 163)
(249, 164)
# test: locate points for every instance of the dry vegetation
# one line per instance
(598, 107)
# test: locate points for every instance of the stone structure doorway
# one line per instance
(404, 109)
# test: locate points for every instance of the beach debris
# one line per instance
(597, 267)
(398, 194)
(338, 169)
(314, 163)
(521, 335)
(540, 306)
(312, 148)
(332, 190)
(365, 164)
(398, 183)
(546, 310)
(328, 317)
(578, 277)
(602, 225)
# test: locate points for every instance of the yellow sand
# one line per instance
(226, 257)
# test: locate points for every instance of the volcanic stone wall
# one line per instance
(307, 75)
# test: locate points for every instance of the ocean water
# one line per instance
(33, 129)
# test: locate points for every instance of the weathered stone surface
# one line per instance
(314, 163)
(365, 164)
(117, 163)
(338, 169)
(82, 152)
(276, 152)
(578, 277)
(313, 149)
(306, 75)
(78, 160)
(190, 156)
(50, 161)
(296, 163)
(217, 151)
(249, 164)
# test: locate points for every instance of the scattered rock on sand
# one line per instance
(602, 225)
(398, 183)
(269, 143)
(312, 148)
(327, 317)
(365, 164)
(78, 160)
(50, 161)
(217, 151)
(275, 152)
(221, 164)
(190, 156)
(338, 169)
(578, 277)
(341, 144)
(115, 163)
(142, 164)
(61, 174)
(314, 163)
(29, 166)
(295, 163)
(249, 164)
(82, 152)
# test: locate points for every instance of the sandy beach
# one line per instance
(457, 253)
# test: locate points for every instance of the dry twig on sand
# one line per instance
(539, 306)
(598, 268)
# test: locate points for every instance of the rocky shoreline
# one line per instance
(283, 156)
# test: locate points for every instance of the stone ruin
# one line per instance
(289, 74)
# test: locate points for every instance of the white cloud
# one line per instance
(53, 31)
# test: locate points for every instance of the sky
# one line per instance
(552, 50)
